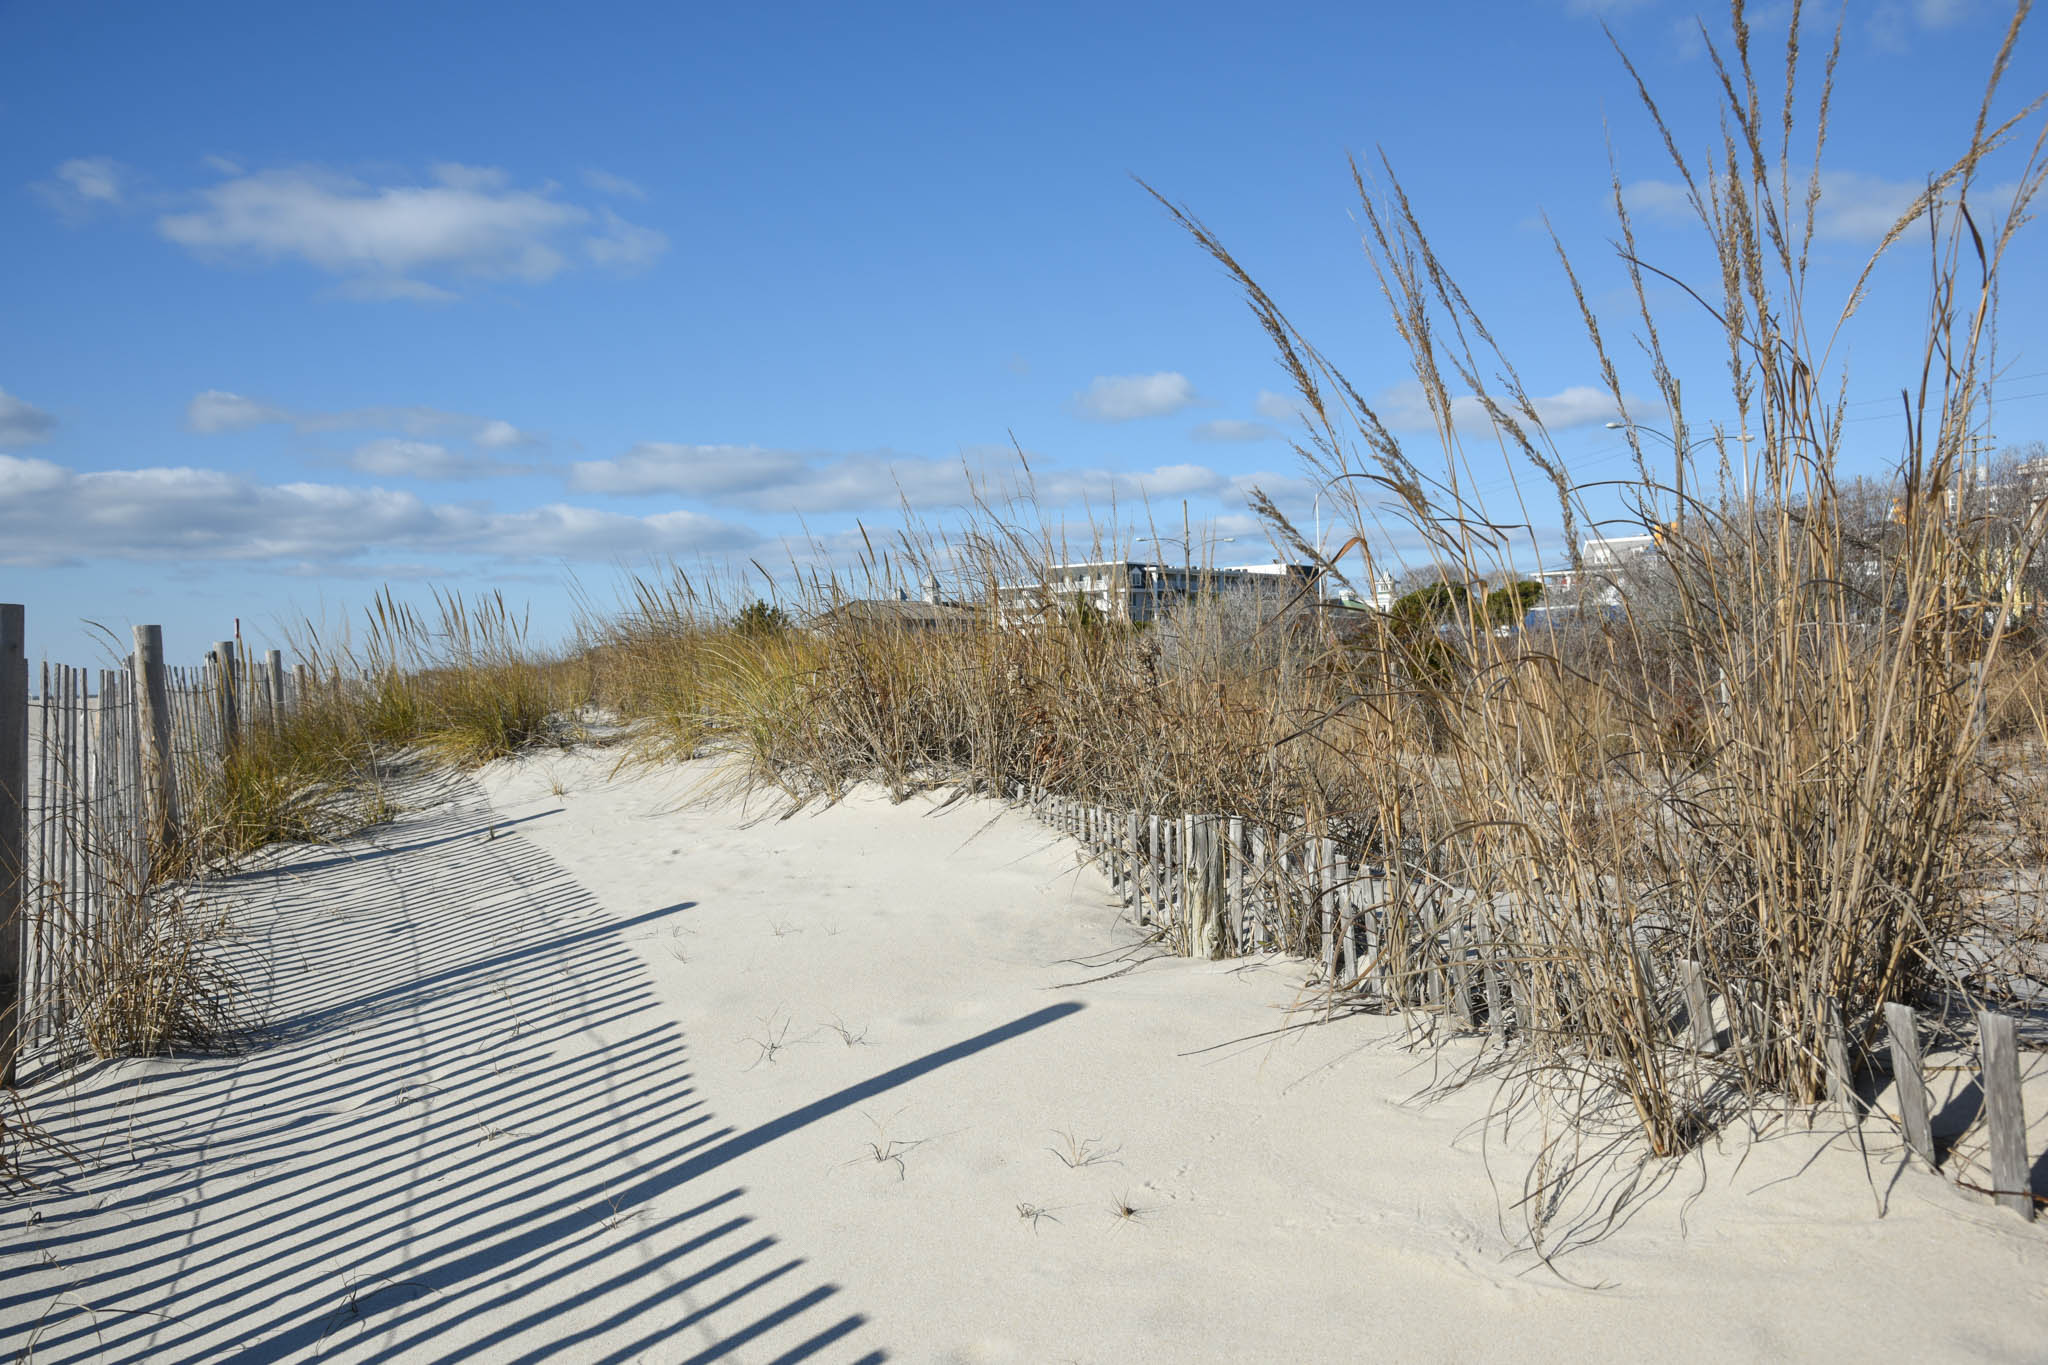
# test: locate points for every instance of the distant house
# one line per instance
(1616, 552)
(901, 612)
(1137, 591)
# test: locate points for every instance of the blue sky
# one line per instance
(303, 300)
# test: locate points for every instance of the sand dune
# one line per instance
(559, 1067)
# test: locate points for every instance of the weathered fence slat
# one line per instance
(1840, 1081)
(1222, 887)
(228, 704)
(2005, 1118)
(1909, 1081)
(1699, 1017)
(14, 842)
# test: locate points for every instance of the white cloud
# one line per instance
(773, 480)
(1126, 397)
(781, 481)
(1277, 407)
(1167, 482)
(1404, 408)
(1892, 24)
(1581, 405)
(1665, 199)
(390, 456)
(500, 435)
(95, 179)
(476, 179)
(385, 288)
(217, 410)
(1230, 429)
(49, 513)
(624, 246)
(604, 182)
(23, 423)
(466, 221)
(1854, 206)
(396, 457)
(84, 184)
(1942, 13)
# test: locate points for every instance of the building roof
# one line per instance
(888, 612)
(1165, 567)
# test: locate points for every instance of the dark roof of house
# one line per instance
(887, 611)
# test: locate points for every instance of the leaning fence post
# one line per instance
(1347, 916)
(13, 829)
(1698, 1011)
(1908, 1081)
(1461, 977)
(1840, 1081)
(1234, 914)
(259, 697)
(1157, 877)
(225, 700)
(1211, 936)
(1496, 990)
(1133, 885)
(159, 773)
(2005, 1118)
(1323, 852)
(274, 665)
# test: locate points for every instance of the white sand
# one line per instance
(580, 1092)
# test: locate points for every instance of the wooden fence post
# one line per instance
(159, 772)
(1460, 975)
(1347, 915)
(1838, 1078)
(1909, 1083)
(1234, 907)
(1209, 934)
(1134, 891)
(1323, 853)
(1156, 877)
(1496, 989)
(2005, 1118)
(1699, 1017)
(13, 830)
(274, 663)
(225, 695)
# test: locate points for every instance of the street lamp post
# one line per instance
(1680, 455)
(1187, 554)
(1317, 507)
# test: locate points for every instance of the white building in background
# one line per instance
(1140, 591)
(1615, 552)
(1382, 598)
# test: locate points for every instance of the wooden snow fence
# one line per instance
(1218, 886)
(92, 767)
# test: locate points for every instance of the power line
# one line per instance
(2001, 379)
(2008, 398)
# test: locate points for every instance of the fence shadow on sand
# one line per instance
(465, 1131)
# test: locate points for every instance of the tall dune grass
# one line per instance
(141, 974)
(1803, 756)
(1783, 761)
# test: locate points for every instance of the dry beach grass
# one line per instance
(1769, 765)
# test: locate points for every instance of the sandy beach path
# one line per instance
(468, 1131)
(637, 1079)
